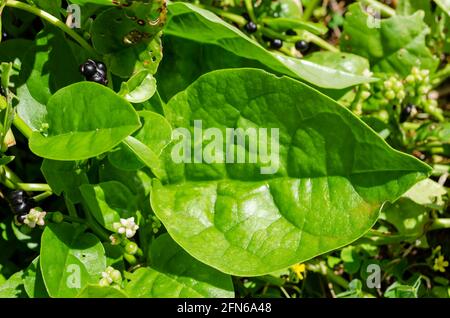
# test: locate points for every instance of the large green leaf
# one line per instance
(333, 175)
(70, 259)
(396, 46)
(174, 273)
(206, 27)
(84, 120)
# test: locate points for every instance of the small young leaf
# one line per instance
(84, 120)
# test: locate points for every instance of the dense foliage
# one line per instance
(110, 188)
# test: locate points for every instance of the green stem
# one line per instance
(70, 207)
(249, 7)
(10, 175)
(228, 15)
(439, 224)
(42, 196)
(440, 76)
(93, 225)
(22, 126)
(338, 280)
(74, 219)
(309, 10)
(33, 187)
(355, 102)
(53, 20)
(310, 37)
(384, 9)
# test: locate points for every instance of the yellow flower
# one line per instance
(440, 264)
(298, 270)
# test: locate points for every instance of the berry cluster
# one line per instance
(408, 93)
(110, 276)
(20, 204)
(94, 71)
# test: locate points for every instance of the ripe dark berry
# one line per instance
(19, 202)
(13, 195)
(94, 71)
(98, 78)
(276, 44)
(101, 66)
(246, 16)
(20, 218)
(302, 46)
(22, 206)
(251, 27)
(89, 68)
(291, 32)
(406, 112)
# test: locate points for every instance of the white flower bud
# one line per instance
(126, 226)
(35, 217)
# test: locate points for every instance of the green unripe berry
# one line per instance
(398, 86)
(365, 95)
(415, 71)
(424, 89)
(116, 276)
(390, 94)
(103, 282)
(388, 84)
(425, 73)
(57, 217)
(401, 95)
(131, 248)
(410, 79)
(130, 258)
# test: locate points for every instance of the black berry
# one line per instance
(251, 27)
(94, 71)
(101, 66)
(16, 194)
(98, 78)
(406, 112)
(276, 44)
(20, 218)
(302, 46)
(291, 32)
(246, 16)
(89, 68)
(19, 202)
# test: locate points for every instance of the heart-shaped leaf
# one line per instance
(84, 120)
(331, 173)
